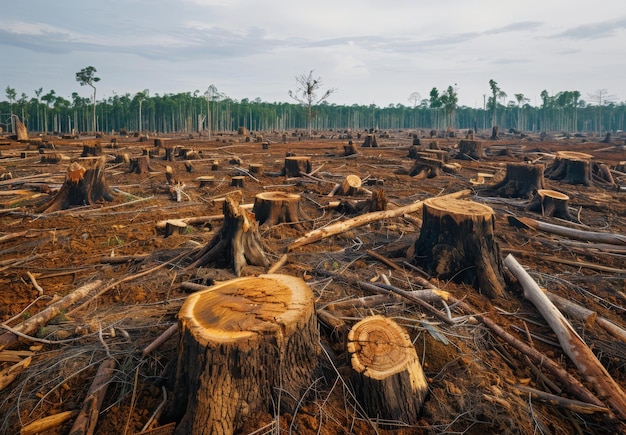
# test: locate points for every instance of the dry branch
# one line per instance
(358, 221)
(590, 236)
(572, 344)
(47, 423)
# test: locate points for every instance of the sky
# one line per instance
(369, 51)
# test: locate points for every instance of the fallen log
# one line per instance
(358, 221)
(572, 344)
(590, 236)
(43, 424)
(39, 320)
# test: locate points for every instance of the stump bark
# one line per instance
(273, 208)
(237, 243)
(387, 377)
(470, 150)
(295, 166)
(84, 185)
(370, 141)
(521, 181)
(247, 345)
(140, 165)
(572, 168)
(457, 242)
(551, 203)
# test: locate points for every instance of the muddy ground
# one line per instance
(476, 381)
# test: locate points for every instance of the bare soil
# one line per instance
(473, 375)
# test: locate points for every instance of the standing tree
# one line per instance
(139, 97)
(435, 104)
(86, 76)
(38, 94)
(306, 94)
(520, 98)
(493, 100)
(11, 95)
(448, 100)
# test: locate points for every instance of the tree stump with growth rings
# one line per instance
(551, 203)
(273, 208)
(387, 377)
(457, 242)
(247, 345)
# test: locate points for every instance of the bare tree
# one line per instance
(601, 97)
(306, 93)
(86, 76)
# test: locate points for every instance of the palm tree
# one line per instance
(86, 76)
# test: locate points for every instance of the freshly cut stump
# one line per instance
(571, 167)
(521, 181)
(295, 166)
(273, 208)
(247, 345)
(387, 377)
(84, 185)
(350, 185)
(551, 203)
(470, 150)
(457, 242)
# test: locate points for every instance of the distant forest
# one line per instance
(213, 111)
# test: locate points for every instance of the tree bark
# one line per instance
(457, 242)
(247, 345)
(386, 373)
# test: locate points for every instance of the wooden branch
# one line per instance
(590, 236)
(85, 423)
(561, 402)
(37, 321)
(358, 221)
(280, 263)
(160, 340)
(47, 423)
(572, 344)
(200, 219)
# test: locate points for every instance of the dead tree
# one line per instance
(84, 185)
(521, 181)
(457, 242)
(387, 377)
(246, 346)
(551, 203)
(470, 150)
(571, 167)
(237, 243)
(273, 208)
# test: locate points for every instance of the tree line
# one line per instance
(213, 111)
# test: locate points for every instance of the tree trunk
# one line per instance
(247, 345)
(551, 203)
(571, 167)
(387, 377)
(470, 150)
(237, 243)
(426, 167)
(521, 181)
(140, 165)
(457, 242)
(273, 208)
(295, 166)
(84, 185)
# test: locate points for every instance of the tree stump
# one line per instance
(350, 149)
(273, 208)
(470, 150)
(237, 181)
(206, 181)
(160, 142)
(387, 377)
(495, 133)
(414, 152)
(521, 181)
(551, 203)
(351, 185)
(215, 165)
(91, 149)
(571, 167)
(256, 169)
(370, 141)
(247, 345)
(174, 226)
(295, 166)
(21, 130)
(169, 153)
(426, 167)
(265, 145)
(140, 165)
(84, 185)
(237, 243)
(377, 202)
(457, 242)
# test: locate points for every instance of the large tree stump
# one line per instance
(295, 166)
(237, 243)
(273, 208)
(387, 377)
(521, 181)
(370, 141)
(571, 167)
(457, 242)
(84, 185)
(470, 150)
(426, 167)
(246, 346)
(140, 165)
(551, 203)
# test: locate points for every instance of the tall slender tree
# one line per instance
(306, 93)
(11, 95)
(86, 76)
(493, 100)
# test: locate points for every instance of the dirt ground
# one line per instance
(478, 384)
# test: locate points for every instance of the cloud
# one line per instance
(602, 29)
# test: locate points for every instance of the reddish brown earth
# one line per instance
(473, 375)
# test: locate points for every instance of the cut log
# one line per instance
(349, 186)
(295, 166)
(551, 203)
(387, 377)
(47, 423)
(84, 185)
(521, 181)
(572, 233)
(457, 242)
(273, 208)
(247, 345)
(237, 243)
(470, 150)
(571, 343)
(571, 167)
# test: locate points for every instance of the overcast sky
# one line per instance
(370, 51)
